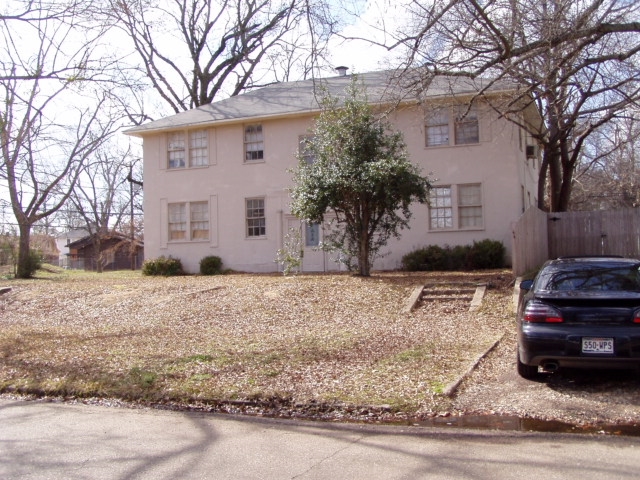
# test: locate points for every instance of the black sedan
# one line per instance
(580, 312)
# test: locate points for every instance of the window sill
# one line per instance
(189, 242)
(450, 230)
(252, 162)
(186, 169)
(432, 147)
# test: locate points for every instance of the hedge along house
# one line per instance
(216, 178)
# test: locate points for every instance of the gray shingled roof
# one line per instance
(293, 98)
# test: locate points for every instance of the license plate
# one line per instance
(597, 345)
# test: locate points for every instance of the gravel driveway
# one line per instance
(578, 397)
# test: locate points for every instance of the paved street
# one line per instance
(40, 440)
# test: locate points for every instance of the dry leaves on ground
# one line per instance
(303, 340)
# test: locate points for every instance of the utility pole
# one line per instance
(132, 229)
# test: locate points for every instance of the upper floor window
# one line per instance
(253, 143)
(189, 221)
(437, 128)
(176, 147)
(197, 150)
(466, 125)
(305, 149)
(255, 217)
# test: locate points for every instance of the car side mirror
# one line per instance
(526, 285)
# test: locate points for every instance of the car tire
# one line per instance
(530, 372)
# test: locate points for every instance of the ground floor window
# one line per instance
(456, 207)
(188, 221)
(311, 234)
(470, 205)
(440, 208)
(255, 217)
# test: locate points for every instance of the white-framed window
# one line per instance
(440, 208)
(311, 234)
(437, 128)
(470, 206)
(199, 216)
(197, 149)
(464, 123)
(188, 221)
(253, 143)
(177, 221)
(255, 217)
(467, 128)
(305, 149)
(176, 150)
(456, 207)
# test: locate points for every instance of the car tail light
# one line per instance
(636, 317)
(541, 313)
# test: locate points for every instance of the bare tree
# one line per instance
(577, 60)
(194, 51)
(50, 124)
(608, 176)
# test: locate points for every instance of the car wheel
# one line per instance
(530, 372)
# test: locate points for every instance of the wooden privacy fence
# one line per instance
(538, 236)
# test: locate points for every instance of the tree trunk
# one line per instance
(24, 257)
(542, 182)
(363, 254)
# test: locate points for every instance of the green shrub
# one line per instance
(211, 265)
(480, 255)
(486, 254)
(162, 266)
(35, 262)
(432, 257)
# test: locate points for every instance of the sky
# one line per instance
(359, 56)
(377, 19)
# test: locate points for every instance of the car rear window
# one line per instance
(590, 278)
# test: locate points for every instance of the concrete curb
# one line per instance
(453, 387)
(476, 303)
(413, 300)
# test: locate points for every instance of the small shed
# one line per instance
(117, 252)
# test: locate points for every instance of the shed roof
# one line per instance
(301, 97)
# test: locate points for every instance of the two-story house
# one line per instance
(216, 178)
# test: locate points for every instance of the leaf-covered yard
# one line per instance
(237, 339)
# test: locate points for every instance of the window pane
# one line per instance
(470, 205)
(175, 152)
(177, 221)
(469, 195)
(253, 143)
(199, 220)
(312, 234)
(256, 222)
(305, 150)
(440, 210)
(466, 126)
(437, 128)
(198, 148)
